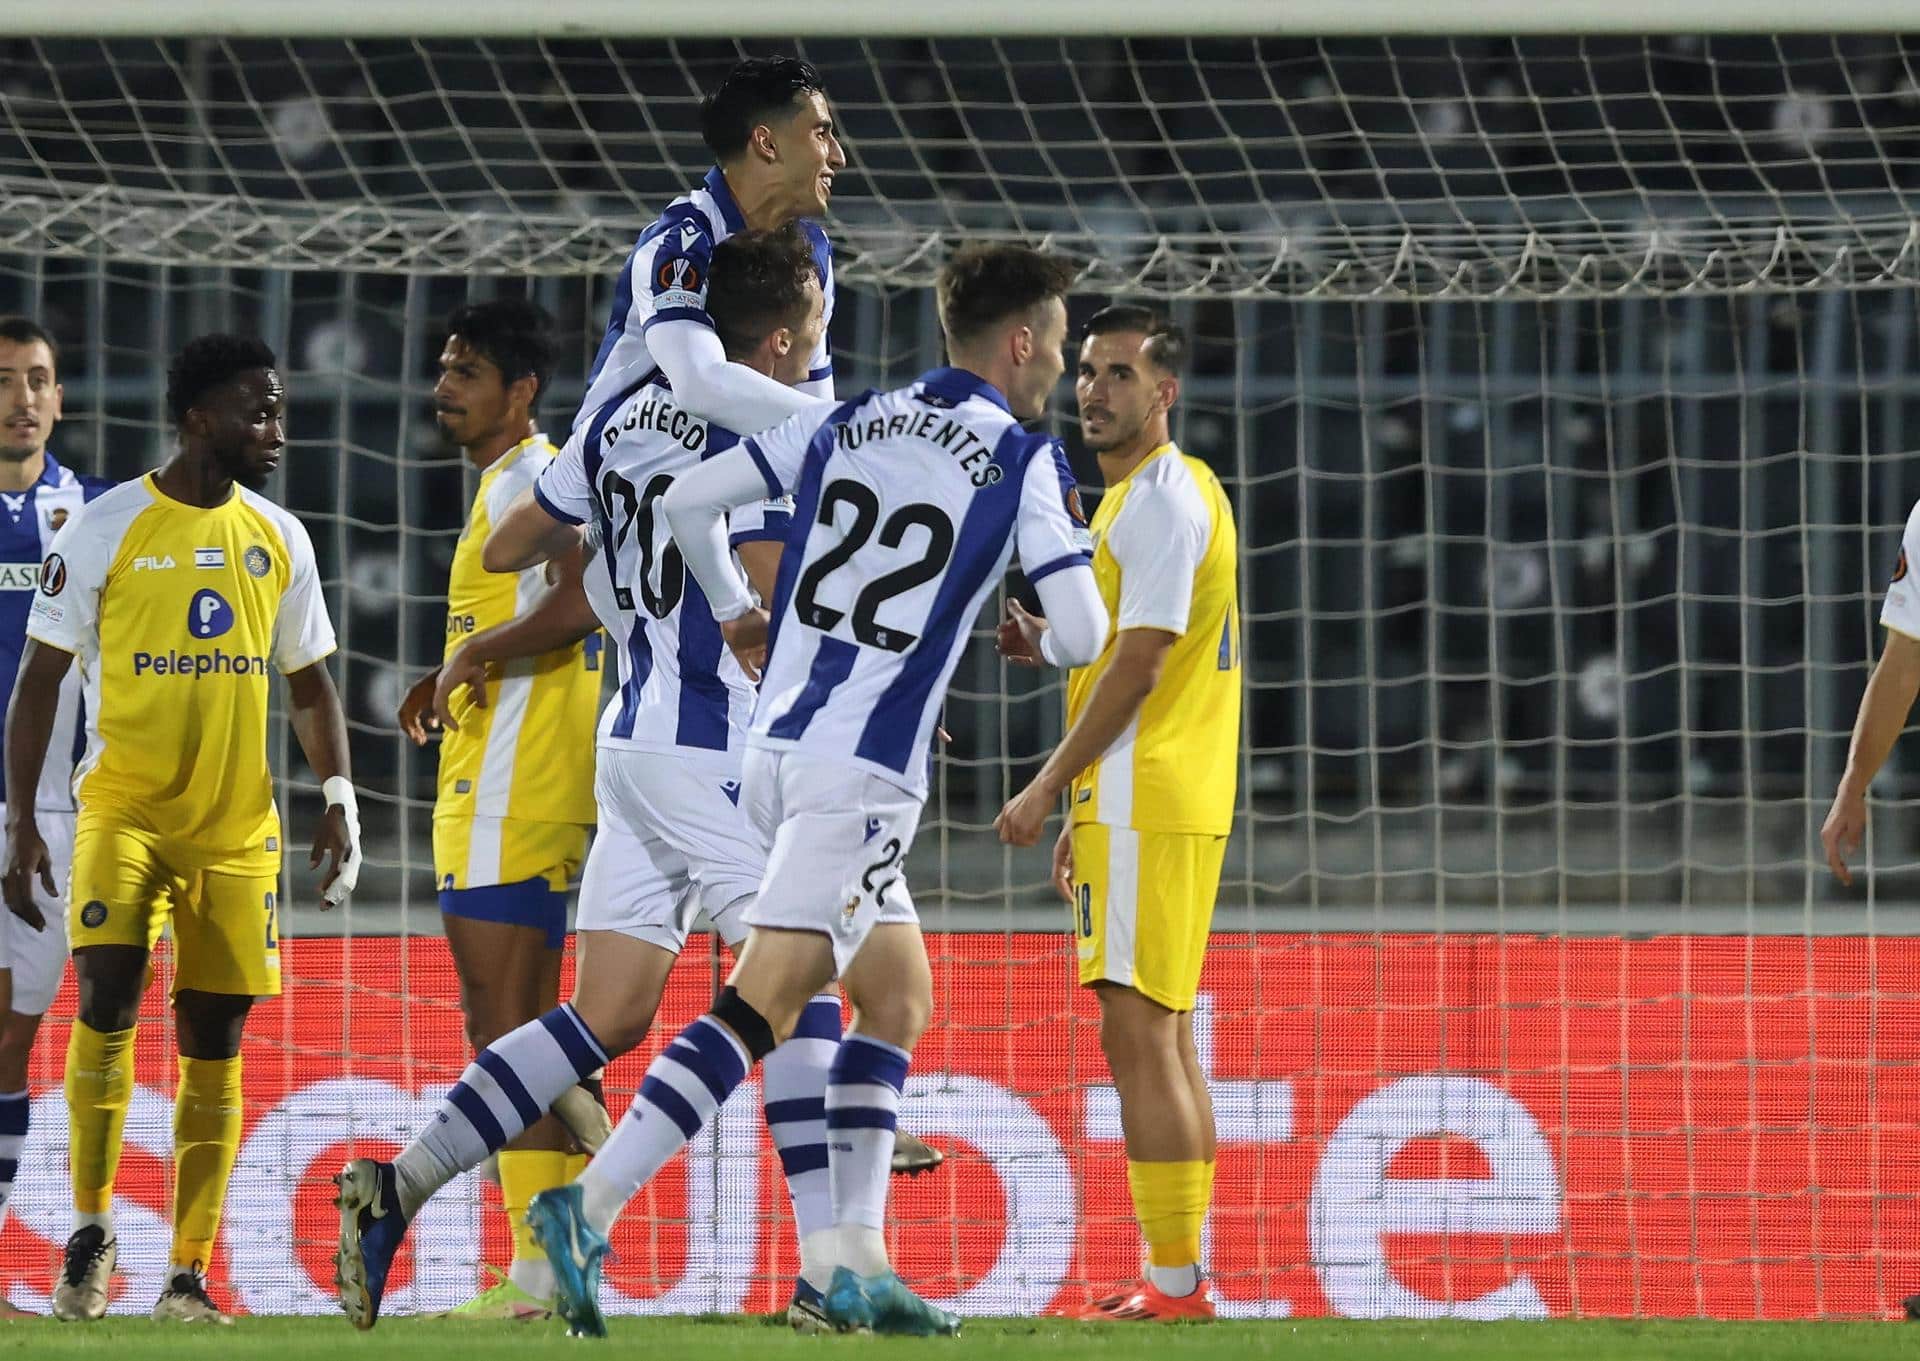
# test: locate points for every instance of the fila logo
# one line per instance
(159, 564)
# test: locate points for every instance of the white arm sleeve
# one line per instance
(1901, 612)
(706, 384)
(1158, 538)
(563, 490)
(66, 607)
(696, 510)
(1076, 616)
(302, 632)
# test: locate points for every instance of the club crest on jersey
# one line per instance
(1900, 567)
(53, 575)
(208, 614)
(257, 561)
(93, 915)
(57, 518)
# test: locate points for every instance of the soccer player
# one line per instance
(37, 496)
(771, 131)
(175, 593)
(510, 822)
(772, 136)
(1148, 764)
(672, 840)
(908, 506)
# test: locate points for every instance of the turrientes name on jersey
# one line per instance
(656, 411)
(973, 454)
(218, 662)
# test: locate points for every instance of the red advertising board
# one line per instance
(1475, 1126)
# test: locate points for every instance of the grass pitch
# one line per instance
(758, 1339)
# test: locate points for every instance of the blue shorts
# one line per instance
(531, 902)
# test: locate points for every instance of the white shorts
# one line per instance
(36, 959)
(671, 843)
(838, 841)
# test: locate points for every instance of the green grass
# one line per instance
(744, 1339)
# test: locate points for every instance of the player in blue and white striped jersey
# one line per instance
(908, 506)
(671, 840)
(37, 495)
(771, 132)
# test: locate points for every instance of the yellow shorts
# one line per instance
(477, 852)
(128, 885)
(1143, 905)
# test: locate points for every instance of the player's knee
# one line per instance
(900, 1018)
(211, 1023)
(16, 1049)
(618, 1029)
(109, 990)
(759, 1034)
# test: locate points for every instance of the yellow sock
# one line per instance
(99, 1086)
(206, 1138)
(524, 1174)
(1171, 1201)
(576, 1164)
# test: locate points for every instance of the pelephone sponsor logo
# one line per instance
(194, 665)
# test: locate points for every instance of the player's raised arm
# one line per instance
(30, 724)
(530, 533)
(1883, 709)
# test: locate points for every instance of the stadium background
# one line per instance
(1564, 389)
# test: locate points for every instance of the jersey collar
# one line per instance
(959, 384)
(506, 460)
(52, 475)
(730, 213)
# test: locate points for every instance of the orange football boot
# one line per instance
(1150, 1305)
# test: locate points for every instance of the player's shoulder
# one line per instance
(1913, 520)
(822, 247)
(108, 511)
(527, 462)
(282, 525)
(93, 488)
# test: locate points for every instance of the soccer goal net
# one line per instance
(1563, 389)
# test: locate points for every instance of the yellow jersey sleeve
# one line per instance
(528, 752)
(1167, 558)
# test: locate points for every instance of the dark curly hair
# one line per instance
(759, 281)
(514, 334)
(745, 96)
(208, 361)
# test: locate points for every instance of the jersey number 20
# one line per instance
(627, 512)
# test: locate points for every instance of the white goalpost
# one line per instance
(1565, 385)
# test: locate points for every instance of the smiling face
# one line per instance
(810, 154)
(29, 399)
(242, 425)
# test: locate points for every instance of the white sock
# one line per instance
(508, 1086)
(863, 1108)
(15, 1107)
(535, 1277)
(680, 1093)
(1175, 1280)
(819, 1255)
(794, 1086)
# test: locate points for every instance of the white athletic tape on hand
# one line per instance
(339, 794)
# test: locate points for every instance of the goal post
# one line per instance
(1564, 387)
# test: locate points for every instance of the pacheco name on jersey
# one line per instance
(656, 411)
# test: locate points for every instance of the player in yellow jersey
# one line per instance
(1149, 765)
(176, 593)
(517, 696)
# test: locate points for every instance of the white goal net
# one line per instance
(1563, 388)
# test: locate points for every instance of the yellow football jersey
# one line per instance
(174, 612)
(1166, 557)
(529, 752)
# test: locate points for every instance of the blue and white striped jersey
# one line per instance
(908, 506)
(665, 279)
(28, 521)
(681, 691)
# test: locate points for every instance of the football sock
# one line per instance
(1170, 1199)
(794, 1078)
(14, 1110)
(99, 1086)
(524, 1173)
(508, 1086)
(206, 1137)
(863, 1109)
(680, 1093)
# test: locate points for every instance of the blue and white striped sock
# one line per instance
(15, 1107)
(508, 1086)
(795, 1078)
(680, 1093)
(863, 1108)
